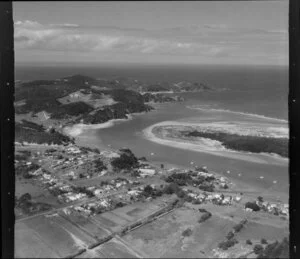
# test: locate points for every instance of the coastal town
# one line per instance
(84, 184)
(75, 200)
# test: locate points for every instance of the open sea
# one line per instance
(254, 95)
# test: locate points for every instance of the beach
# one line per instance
(252, 173)
(157, 133)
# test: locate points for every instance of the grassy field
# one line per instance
(30, 244)
(111, 221)
(87, 225)
(256, 231)
(57, 233)
(164, 237)
(136, 211)
(115, 249)
(111, 249)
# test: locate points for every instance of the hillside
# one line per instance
(30, 132)
(80, 98)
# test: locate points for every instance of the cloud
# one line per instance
(218, 41)
(71, 37)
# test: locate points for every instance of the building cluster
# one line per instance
(96, 207)
(111, 202)
(274, 208)
(215, 198)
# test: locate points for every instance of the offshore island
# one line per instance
(79, 201)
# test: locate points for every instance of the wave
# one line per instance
(196, 107)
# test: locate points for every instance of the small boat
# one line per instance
(261, 177)
(192, 163)
(239, 174)
(152, 154)
(274, 181)
(228, 172)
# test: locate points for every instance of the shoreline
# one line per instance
(79, 128)
(85, 135)
(151, 133)
(258, 116)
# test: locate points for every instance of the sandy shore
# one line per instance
(155, 133)
(77, 129)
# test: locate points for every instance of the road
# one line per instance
(76, 203)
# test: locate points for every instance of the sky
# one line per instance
(158, 32)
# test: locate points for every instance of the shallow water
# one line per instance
(129, 134)
(253, 89)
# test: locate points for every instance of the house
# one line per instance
(238, 198)
(226, 200)
(217, 196)
(223, 179)
(144, 171)
(249, 210)
(98, 192)
(104, 203)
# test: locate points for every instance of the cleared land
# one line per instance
(61, 236)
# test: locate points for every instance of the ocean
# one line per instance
(254, 95)
(254, 89)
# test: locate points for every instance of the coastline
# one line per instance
(212, 147)
(77, 129)
(87, 135)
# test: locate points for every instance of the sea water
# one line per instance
(250, 94)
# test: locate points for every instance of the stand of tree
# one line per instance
(245, 143)
(34, 133)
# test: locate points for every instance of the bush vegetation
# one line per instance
(34, 133)
(81, 189)
(205, 216)
(27, 206)
(258, 249)
(246, 143)
(179, 178)
(70, 109)
(24, 170)
(207, 187)
(275, 250)
(239, 226)
(127, 160)
(252, 205)
(187, 232)
(248, 242)
(227, 244)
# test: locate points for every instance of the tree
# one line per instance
(204, 217)
(276, 250)
(52, 130)
(257, 249)
(187, 232)
(25, 197)
(238, 227)
(230, 235)
(228, 243)
(248, 242)
(148, 191)
(260, 199)
(263, 241)
(125, 161)
(252, 205)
